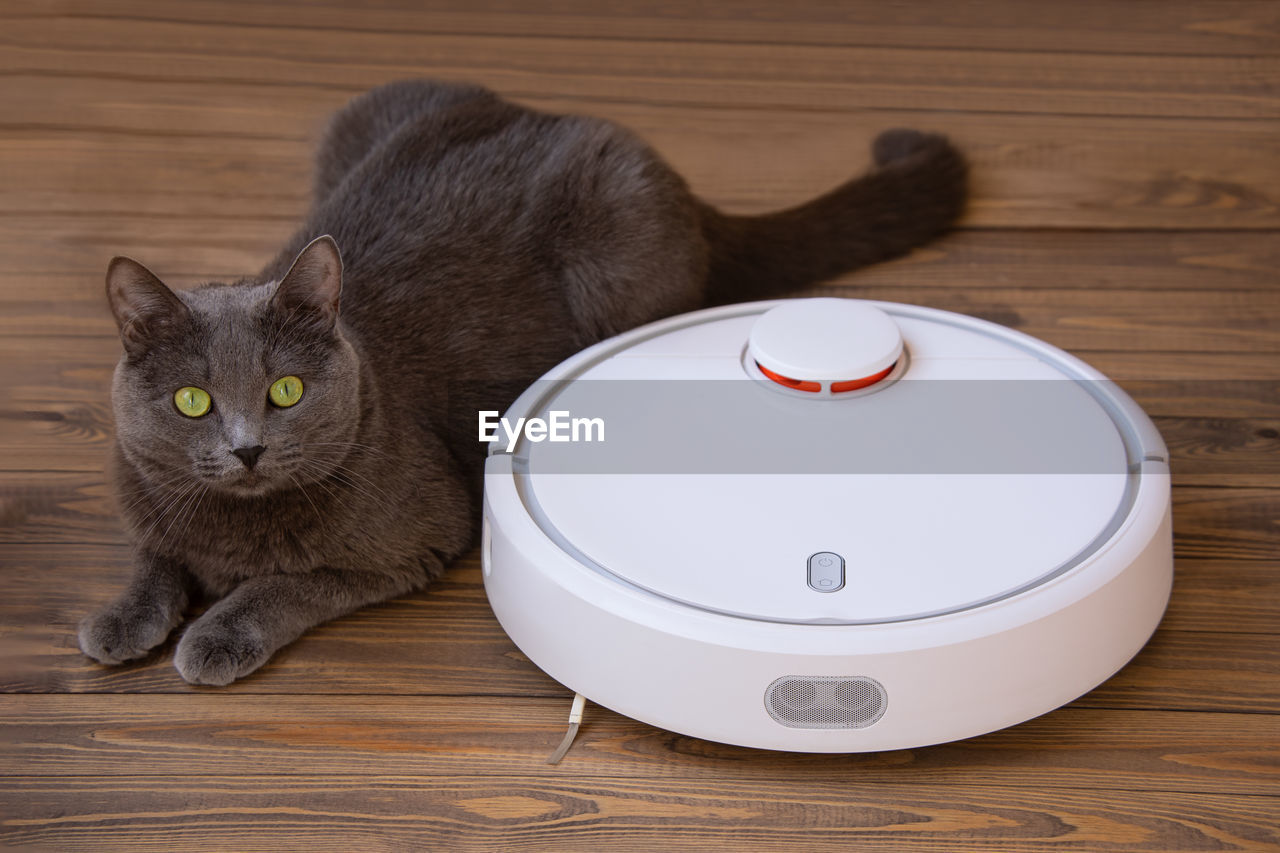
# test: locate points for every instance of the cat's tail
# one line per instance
(915, 192)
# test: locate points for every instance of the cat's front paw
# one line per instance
(218, 654)
(124, 631)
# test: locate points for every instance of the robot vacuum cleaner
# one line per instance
(826, 525)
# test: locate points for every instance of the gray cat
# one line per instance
(291, 462)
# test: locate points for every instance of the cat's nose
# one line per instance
(249, 455)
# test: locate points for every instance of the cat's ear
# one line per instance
(144, 308)
(311, 289)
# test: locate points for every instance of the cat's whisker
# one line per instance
(188, 513)
(353, 445)
(171, 504)
(159, 496)
(319, 516)
(162, 505)
(149, 488)
(346, 478)
(322, 453)
(320, 482)
(155, 493)
(367, 481)
(329, 471)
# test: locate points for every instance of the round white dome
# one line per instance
(825, 340)
(985, 531)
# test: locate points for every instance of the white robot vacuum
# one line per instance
(826, 525)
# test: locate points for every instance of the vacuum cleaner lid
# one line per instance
(829, 462)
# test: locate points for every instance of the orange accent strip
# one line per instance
(855, 384)
(798, 384)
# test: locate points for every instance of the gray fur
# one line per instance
(481, 243)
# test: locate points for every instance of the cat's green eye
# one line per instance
(192, 402)
(286, 391)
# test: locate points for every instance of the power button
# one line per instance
(826, 571)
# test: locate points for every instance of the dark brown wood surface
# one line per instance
(1127, 207)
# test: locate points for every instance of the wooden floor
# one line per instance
(1127, 181)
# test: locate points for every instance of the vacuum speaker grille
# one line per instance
(825, 701)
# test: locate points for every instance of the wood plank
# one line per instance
(1043, 171)
(124, 735)
(1126, 207)
(1079, 321)
(1227, 523)
(1209, 451)
(1152, 261)
(1183, 321)
(744, 73)
(1194, 671)
(1168, 383)
(68, 295)
(1178, 27)
(1224, 596)
(540, 810)
(80, 248)
(88, 173)
(1217, 650)
(59, 507)
(1172, 369)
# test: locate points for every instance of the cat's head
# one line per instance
(245, 388)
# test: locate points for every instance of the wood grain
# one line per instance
(1179, 27)
(1197, 671)
(800, 76)
(116, 735)
(1082, 172)
(540, 811)
(1126, 204)
(1025, 259)
(1183, 321)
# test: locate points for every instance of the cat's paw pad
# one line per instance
(123, 632)
(218, 655)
